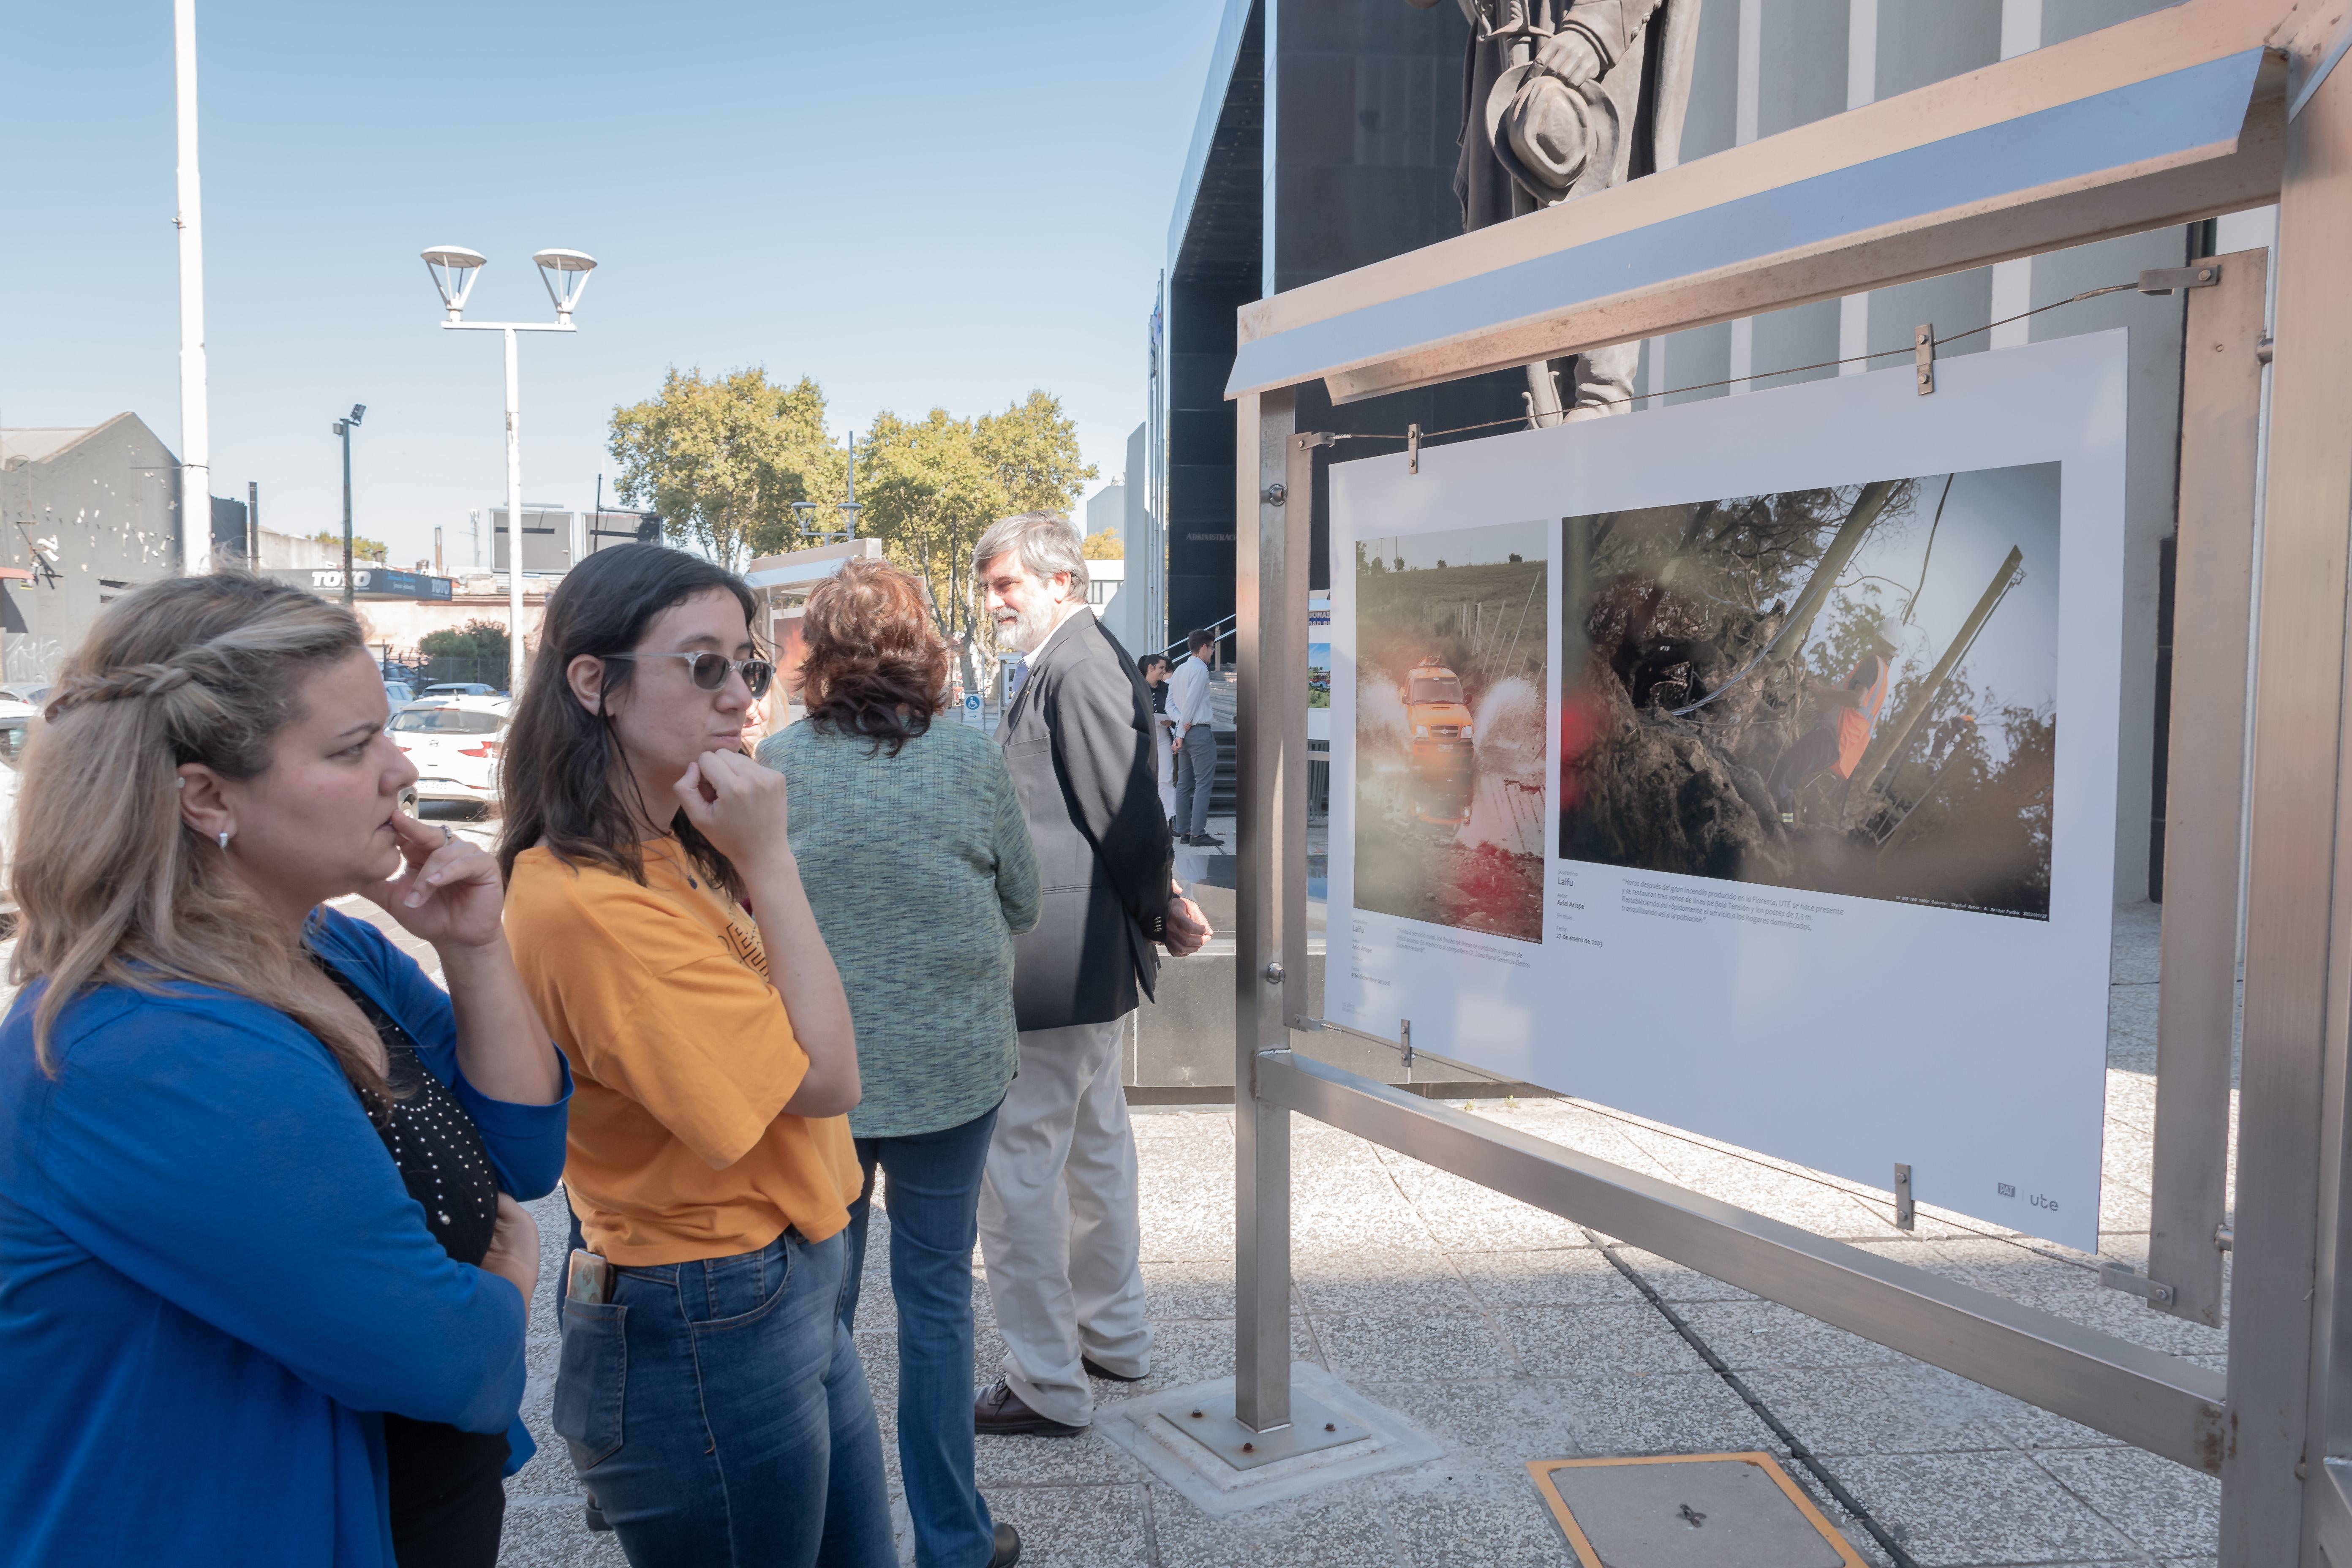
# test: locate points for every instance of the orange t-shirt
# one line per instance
(682, 1058)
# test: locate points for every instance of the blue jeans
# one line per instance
(934, 1193)
(1196, 773)
(717, 1412)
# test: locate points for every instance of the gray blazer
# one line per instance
(1078, 742)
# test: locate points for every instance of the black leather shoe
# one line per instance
(999, 1411)
(1008, 1547)
(596, 1516)
(1096, 1369)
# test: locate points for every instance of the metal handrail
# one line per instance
(1182, 647)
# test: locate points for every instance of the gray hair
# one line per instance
(1045, 542)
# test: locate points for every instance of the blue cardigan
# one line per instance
(211, 1279)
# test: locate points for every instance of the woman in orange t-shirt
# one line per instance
(713, 1404)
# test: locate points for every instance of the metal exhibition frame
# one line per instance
(2210, 107)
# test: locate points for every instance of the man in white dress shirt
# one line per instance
(1195, 744)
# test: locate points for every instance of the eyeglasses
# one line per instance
(709, 670)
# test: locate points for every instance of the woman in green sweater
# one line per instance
(911, 847)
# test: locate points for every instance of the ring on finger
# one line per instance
(446, 836)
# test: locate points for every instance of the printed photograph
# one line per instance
(1845, 691)
(1451, 761)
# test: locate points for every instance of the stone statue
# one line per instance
(1561, 99)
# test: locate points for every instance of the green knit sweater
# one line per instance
(920, 871)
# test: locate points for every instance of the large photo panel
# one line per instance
(1773, 832)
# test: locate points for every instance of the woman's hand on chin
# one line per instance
(447, 892)
(741, 807)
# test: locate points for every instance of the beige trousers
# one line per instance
(1057, 1222)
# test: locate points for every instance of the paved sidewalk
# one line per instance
(1510, 1335)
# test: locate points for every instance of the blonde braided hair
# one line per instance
(112, 886)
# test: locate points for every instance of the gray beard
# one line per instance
(1028, 631)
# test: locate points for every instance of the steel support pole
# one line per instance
(2290, 1153)
(345, 425)
(1270, 909)
(2204, 798)
(196, 410)
(514, 519)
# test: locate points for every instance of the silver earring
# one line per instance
(223, 840)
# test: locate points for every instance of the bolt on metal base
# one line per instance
(1313, 1428)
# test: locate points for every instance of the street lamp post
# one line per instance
(850, 507)
(804, 511)
(343, 428)
(565, 273)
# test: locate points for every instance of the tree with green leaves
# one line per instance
(362, 549)
(932, 486)
(1033, 452)
(474, 651)
(723, 458)
(1105, 546)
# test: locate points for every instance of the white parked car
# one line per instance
(455, 744)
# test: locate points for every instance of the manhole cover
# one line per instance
(1689, 1510)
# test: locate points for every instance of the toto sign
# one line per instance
(367, 582)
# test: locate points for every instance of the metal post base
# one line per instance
(1213, 1426)
(1223, 1468)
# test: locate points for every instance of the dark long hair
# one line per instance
(562, 777)
(871, 654)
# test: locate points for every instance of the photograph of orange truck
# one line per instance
(1450, 769)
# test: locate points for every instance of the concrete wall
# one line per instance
(283, 550)
(1146, 551)
(102, 509)
(396, 625)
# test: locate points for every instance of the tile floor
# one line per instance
(1508, 1335)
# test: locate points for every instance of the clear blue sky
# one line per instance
(918, 204)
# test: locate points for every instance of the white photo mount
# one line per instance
(1815, 1046)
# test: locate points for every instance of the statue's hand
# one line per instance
(1570, 56)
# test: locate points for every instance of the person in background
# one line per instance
(1058, 1226)
(257, 1175)
(712, 1400)
(916, 860)
(1195, 742)
(1155, 676)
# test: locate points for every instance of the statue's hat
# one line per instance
(1551, 134)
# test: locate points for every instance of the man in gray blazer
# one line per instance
(1057, 1207)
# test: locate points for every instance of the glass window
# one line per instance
(13, 735)
(1436, 689)
(446, 721)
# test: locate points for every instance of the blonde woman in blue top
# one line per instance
(263, 1278)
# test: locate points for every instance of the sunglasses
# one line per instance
(709, 670)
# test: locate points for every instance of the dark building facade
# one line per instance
(1326, 142)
